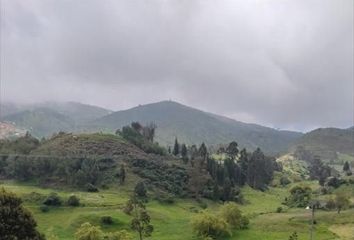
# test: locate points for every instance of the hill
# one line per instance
(193, 126)
(329, 143)
(41, 121)
(96, 144)
(44, 119)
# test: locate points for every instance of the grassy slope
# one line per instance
(327, 142)
(171, 222)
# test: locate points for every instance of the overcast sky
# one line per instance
(282, 63)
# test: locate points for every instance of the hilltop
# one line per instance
(329, 143)
(194, 126)
(44, 119)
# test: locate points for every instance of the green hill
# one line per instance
(44, 119)
(330, 144)
(41, 121)
(96, 144)
(193, 126)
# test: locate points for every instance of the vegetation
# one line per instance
(16, 221)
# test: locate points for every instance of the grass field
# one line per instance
(172, 222)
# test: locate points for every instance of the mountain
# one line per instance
(41, 121)
(328, 143)
(193, 126)
(44, 119)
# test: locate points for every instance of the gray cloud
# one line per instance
(286, 64)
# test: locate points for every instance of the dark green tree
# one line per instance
(184, 153)
(15, 221)
(203, 153)
(140, 190)
(176, 148)
(122, 174)
(232, 150)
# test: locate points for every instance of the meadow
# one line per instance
(172, 221)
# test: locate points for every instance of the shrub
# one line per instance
(299, 196)
(120, 235)
(330, 204)
(88, 232)
(284, 181)
(279, 209)
(73, 201)
(208, 225)
(44, 208)
(233, 216)
(91, 188)
(107, 220)
(53, 200)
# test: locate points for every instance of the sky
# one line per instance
(286, 64)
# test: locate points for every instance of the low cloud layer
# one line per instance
(286, 64)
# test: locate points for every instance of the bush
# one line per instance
(279, 209)
(107, 220)
(208, 225)
(233, 216)
(284, 181)
(91, 188)
(44, 208)
(53, 200)
(300, 196)
(73, 201)
(330, 204)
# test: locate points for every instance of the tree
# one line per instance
(184, 152)
(300, 196)
(232, 150)
(141, 219)
(88, 232)
(208, 225)
(176, 148)
(342, 201)
(203, 153)
(346, 168)
(122, 174)
(233, 216)
(319, 171)
(16, 221)
(140, 190)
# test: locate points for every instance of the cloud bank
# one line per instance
(286, 64)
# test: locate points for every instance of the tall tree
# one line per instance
(122, 174)
(203, 153)
(176, 148)
(141, 219)
(184, 152)
(16, 222)
(232, 150)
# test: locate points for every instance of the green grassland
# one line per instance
(172, 221)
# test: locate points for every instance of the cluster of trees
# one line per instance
(319, 171)
(226, 176)
(227, 220)
(142, 137)
(302, 196)
(170, 178)
(75, 171)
